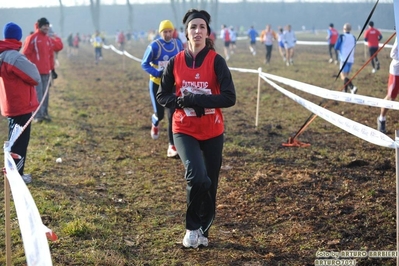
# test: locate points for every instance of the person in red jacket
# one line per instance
(204, 86)
(39, 48)
(373, 37)
(121, 38)
(18, 99)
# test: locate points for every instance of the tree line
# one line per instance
(176, 5)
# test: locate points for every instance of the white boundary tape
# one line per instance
(33, 231)
(326, 43)
(320, 43)
(336, 95)
(364, 132)
(121, 52)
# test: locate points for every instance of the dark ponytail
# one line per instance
(210, 44)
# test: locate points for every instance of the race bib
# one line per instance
(191, 111)
(162, 64)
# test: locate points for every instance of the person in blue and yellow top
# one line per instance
(97, 41)
(154, 61)
(204, 86)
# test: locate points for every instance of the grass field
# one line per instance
(116, 199)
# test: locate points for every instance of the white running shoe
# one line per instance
(202, 240)
(373, 71)
(172, 152)
(354, 90)
(330, 61)
(190, 240)
(27, 178)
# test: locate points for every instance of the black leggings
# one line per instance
(330, 49)
(372, 51)
(20, 146)
(269, 49)
(202, 160)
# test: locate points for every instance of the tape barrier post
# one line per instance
(123, 63)
(7, 215)
(258, 98)
(397, 196)
(8, 222)
(365, 50)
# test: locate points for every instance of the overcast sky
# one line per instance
(43, 3)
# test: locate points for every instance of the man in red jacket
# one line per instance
(18, 99)
(39, 48)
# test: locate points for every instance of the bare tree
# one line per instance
(202, 4)
(62, 16)
(130, 16)
(199, 4)
(214, 12)
(173, 2)
(184, 8)
(95, 13)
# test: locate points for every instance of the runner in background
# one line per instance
(225, 36)
(97, 42)
(121, 40)
(346, 46)
(393, 86)
(373, 37)
(289, 40)
(155, 59)
(280, 40)
(252, 34)
(233, 40)
(332, 36)
(267, 37)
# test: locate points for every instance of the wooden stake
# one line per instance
(7, 220)
(258, 98)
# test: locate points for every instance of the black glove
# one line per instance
(186, 100)
(53, 74)
(178, 103)
(199, 111)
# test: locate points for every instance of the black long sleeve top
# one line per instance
(227, 96)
